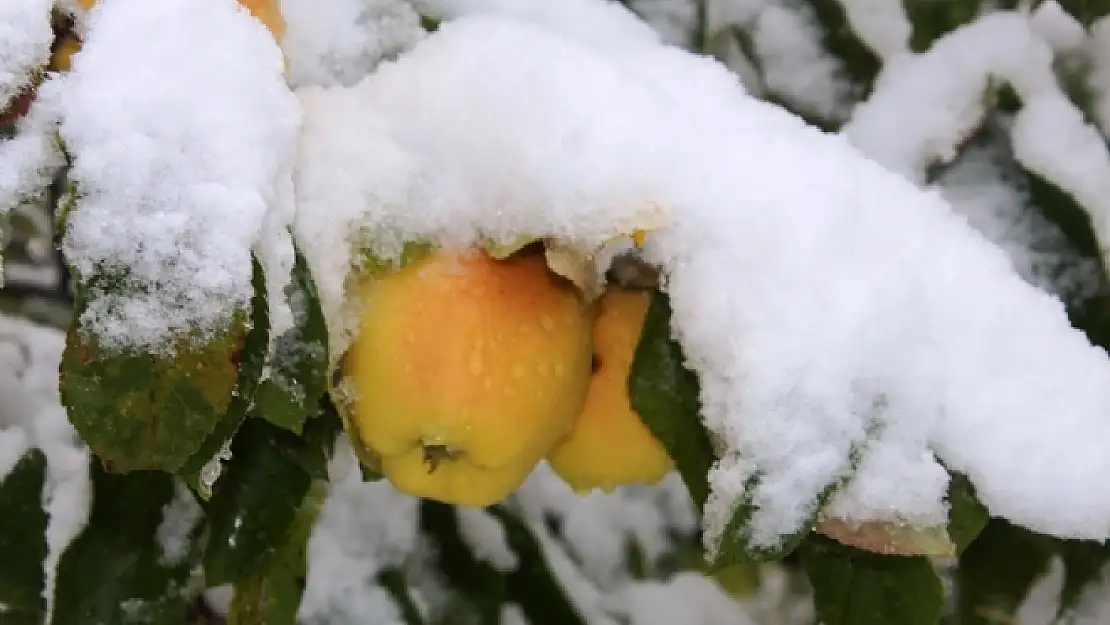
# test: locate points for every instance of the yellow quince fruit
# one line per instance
(466, 370)
(610, 445)
(61, 59)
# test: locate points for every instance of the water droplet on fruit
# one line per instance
(543, 368)
(518, 370)
(558, 369)
(547, 323)
(475, 363)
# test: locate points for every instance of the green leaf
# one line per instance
(483, 586)
(114, 573)
(996, 572)
(532, 585)
(1083, 563)
(250, 359)
(254, 503)
(147, 411)
(736, 548)
(272, 596)
(860, 62)
(665, 395)
(23, 541)
(967, 516)
(1086, 11)
(932, 19)
(855, 587)
(298, 369)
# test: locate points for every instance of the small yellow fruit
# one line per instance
(62, 58)
(610, 445)
(467, 371)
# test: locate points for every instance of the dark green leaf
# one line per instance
(996, 572)
(967, 516)
(23, 541)
(114, 573)
(932, 19)
(250, 359)
(1083, 562)
(480, 584)
(393, 581)
(665, 395)
(1086, 11)
(860, 62)
(254, 503)
(532, 585)
(297, 372)
(272, 595)
(855, 587)
(736, 548)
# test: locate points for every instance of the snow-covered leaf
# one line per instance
(297, 369)
(202, 468)
(22, 539)
(479, 583)
(532, 585)
(853, 587)
(146, 411)
(254, 503)
(115, 572)
(665, 395)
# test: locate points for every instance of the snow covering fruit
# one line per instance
(610, 445)
(62, 57)
(267, 11)
(467, 371)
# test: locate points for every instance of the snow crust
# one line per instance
(176, 165)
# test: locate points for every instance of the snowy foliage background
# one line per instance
(603, 126)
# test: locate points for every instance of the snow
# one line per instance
(984, 186)
(13, 444)
(28, 161)
(786, 42)
(339, 42)
(363, 527)
(1051, 139)
(25, 38)
(1098, 51)
(179, 517)
(1060, 30)
(926, 334)
(183, 162)
(881, 25)
(945, 91)
(486, 537)
(29, 360)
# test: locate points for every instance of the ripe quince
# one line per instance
(466, 371)
(610, 445)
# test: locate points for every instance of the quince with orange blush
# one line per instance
(610, 445)
(466, 371)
